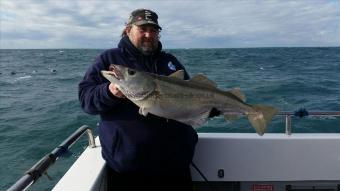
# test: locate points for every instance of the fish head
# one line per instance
(134, 84)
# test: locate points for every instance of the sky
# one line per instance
(40, 24)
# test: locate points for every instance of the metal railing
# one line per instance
(40, 168)
(303, 113)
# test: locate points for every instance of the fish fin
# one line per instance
(261, 117)
(107, 75)
(178, 74)
(238, 93)
(231, 117)
(203, 79)
(197, 121)
(143, 111)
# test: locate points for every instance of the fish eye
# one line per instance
(131, 72)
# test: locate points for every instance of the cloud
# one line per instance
(186, 24)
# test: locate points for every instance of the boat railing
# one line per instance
(303, 113)
(40, 168)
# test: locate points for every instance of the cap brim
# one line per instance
(144, 22)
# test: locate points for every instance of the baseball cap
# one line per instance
(143, 17)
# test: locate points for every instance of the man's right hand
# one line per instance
(115, 91)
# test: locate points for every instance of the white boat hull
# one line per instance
(246, 161)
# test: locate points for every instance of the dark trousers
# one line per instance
(131, 181)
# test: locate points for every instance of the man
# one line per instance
(150, 152)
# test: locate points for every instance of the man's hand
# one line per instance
(115, 91)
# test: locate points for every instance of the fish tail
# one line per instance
(261, 117)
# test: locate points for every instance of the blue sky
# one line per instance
(186, 24)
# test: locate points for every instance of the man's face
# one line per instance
(144, 38)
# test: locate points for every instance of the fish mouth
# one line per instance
(115, 72)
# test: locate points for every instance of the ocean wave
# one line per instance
(23, 78)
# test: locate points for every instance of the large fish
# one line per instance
(188, 101)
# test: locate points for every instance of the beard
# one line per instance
(147, 48)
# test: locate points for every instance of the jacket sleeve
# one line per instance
(94, 94)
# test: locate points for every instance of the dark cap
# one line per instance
(143, 17)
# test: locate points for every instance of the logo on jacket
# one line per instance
(171, 66)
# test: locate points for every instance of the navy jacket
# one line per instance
(131, 142)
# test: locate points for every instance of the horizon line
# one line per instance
(176, 48)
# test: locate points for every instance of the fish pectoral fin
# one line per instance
(237, 92)
(143, 111)
(178, 74)
(203, 79)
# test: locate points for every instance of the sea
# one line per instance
(39, 105)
